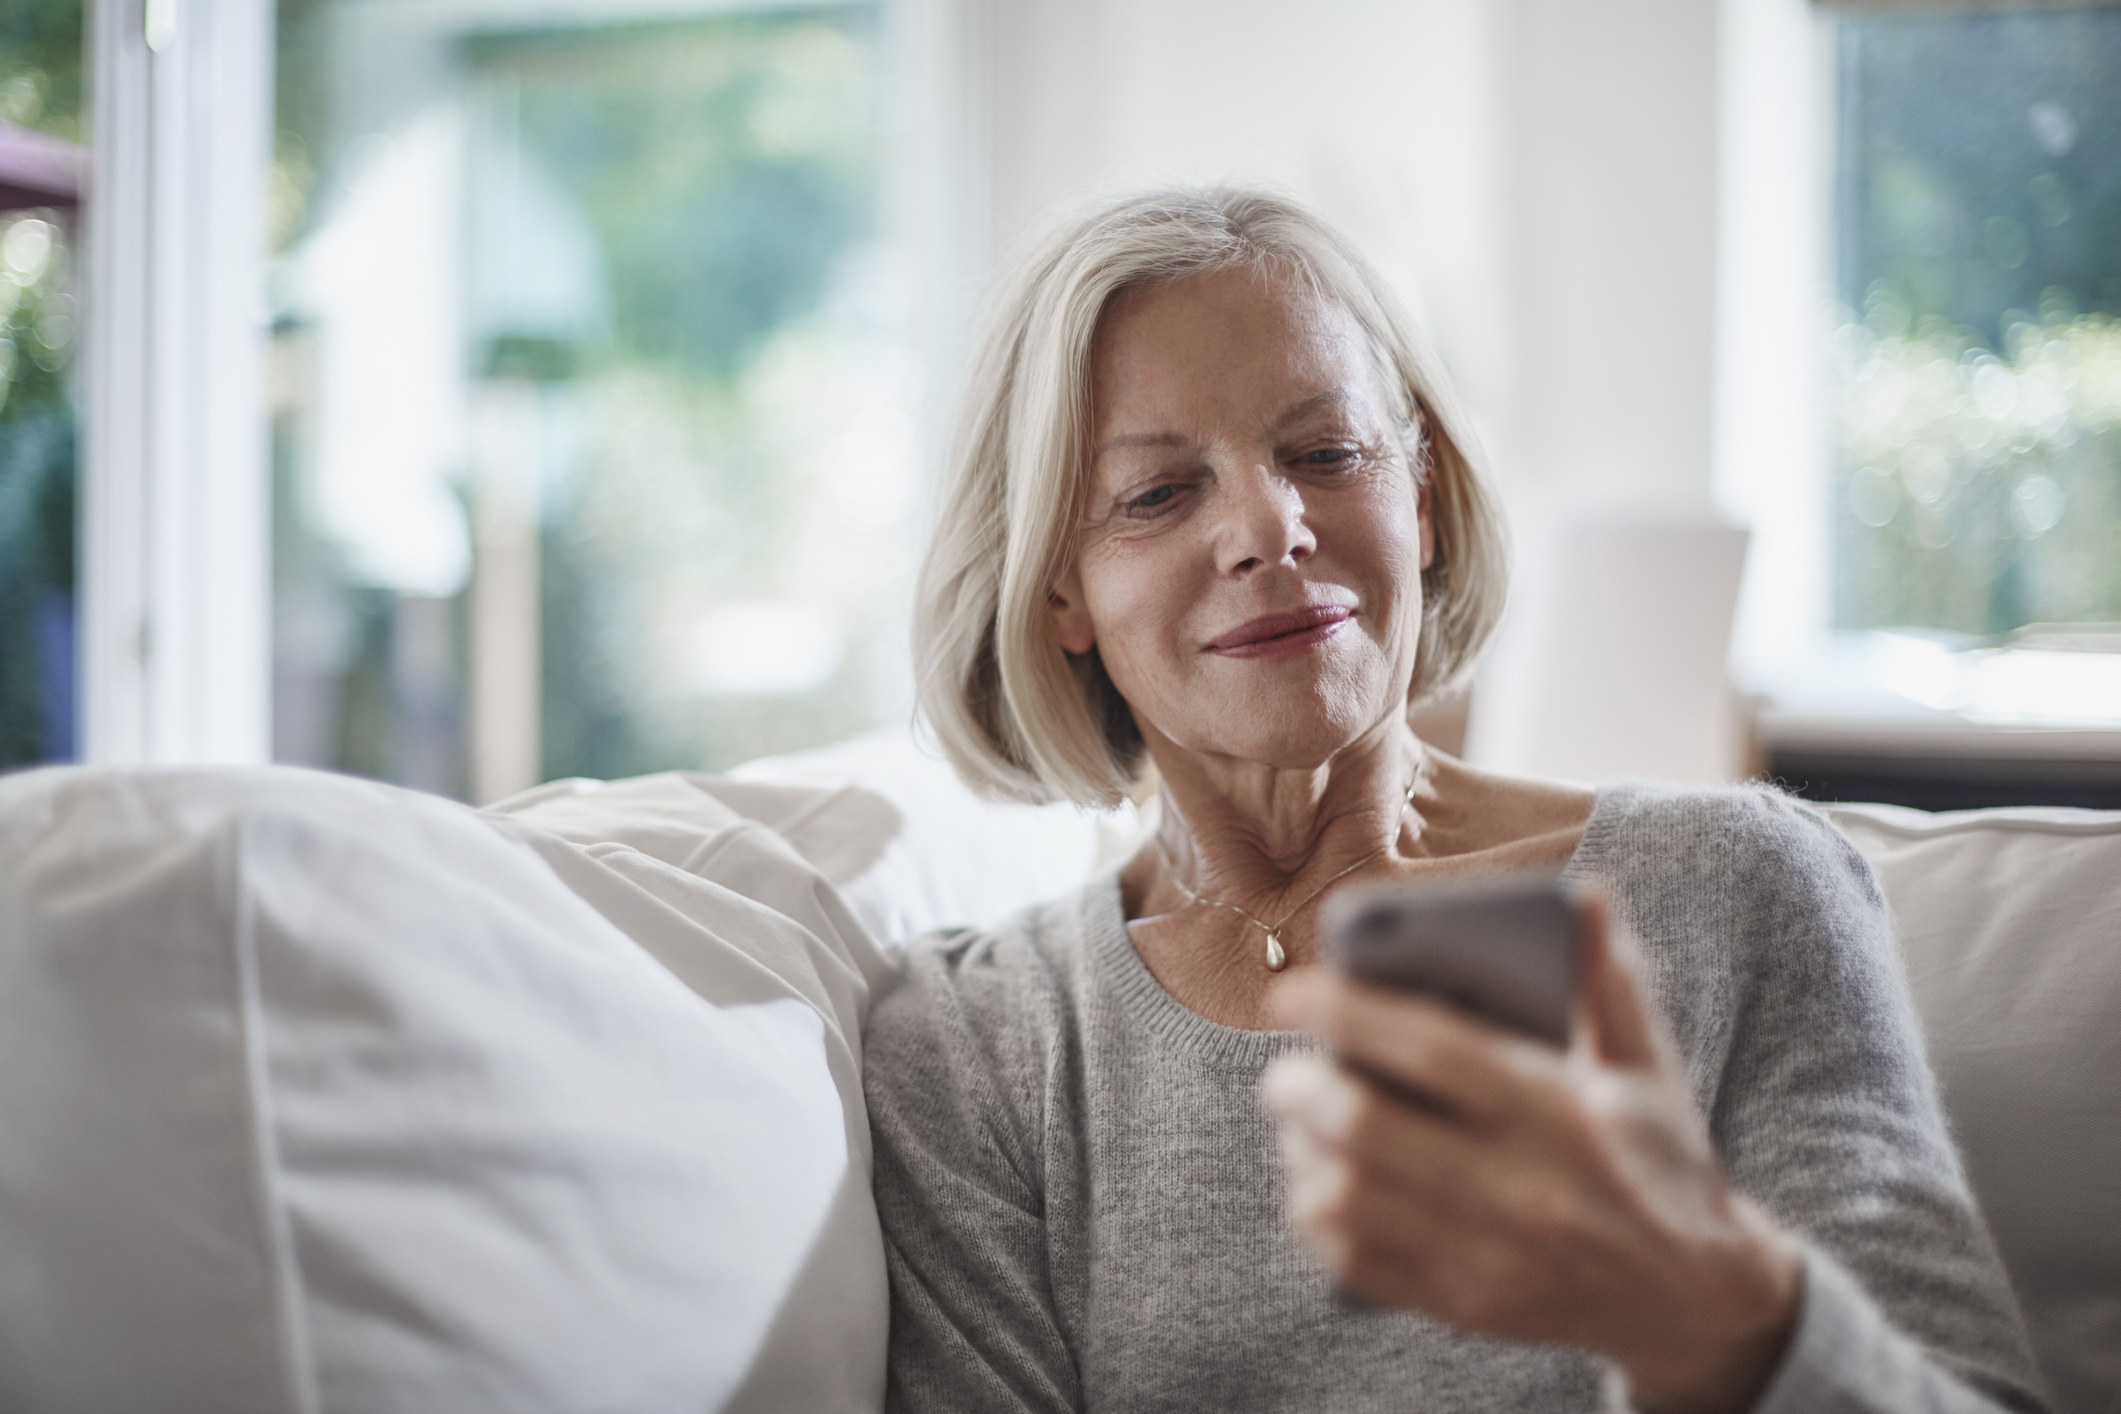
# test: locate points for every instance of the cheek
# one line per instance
(1407, 548)
(1134, 596)
(1385, 538)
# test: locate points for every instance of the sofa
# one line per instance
(318, 1095)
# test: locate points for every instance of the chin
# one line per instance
(1296, 736)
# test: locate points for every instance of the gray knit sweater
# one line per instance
(1082, 1204)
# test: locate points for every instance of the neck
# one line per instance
(1261, 835)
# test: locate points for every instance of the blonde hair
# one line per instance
(1021, 718)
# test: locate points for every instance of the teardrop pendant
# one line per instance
(1276, 958)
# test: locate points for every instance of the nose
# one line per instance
(1262, 523)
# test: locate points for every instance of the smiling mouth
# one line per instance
(1280, 635)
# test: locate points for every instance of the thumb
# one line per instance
(1612, 1017)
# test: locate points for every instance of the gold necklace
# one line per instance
(1277, 957)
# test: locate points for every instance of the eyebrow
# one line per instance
(1330, 397)
(1141, 439)
(1294, 413)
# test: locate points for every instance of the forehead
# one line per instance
(1238, 344)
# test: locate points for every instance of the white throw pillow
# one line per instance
(2010, 921)
(911, 847)
(317, 1095)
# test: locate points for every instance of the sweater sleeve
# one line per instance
(973, 1319)
(1828, 1115)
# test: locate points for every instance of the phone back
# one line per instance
(1503, 948)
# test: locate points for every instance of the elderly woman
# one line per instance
(1216, 524)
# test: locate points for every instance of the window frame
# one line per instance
(1822, 695)
(174, 566)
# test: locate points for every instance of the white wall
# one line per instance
(1381, 114)
(1610, 223)
(1538, 174)
(1775, 172)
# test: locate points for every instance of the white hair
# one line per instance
(1021, 718)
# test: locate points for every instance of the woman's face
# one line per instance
(1249, 564)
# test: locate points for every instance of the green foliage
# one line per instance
(1980, 367)
(1980, 493)
(301, 60)
(1979, 162)
(700, 283)
(41, 61)
(728, 167)
(37, 455)
(41, 54)
(538, 358)
(725, 164)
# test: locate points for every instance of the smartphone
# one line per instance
(1502, 947)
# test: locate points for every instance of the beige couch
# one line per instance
(2010, 921)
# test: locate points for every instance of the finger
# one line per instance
(1308, 1092)
(1616, 1019)
(1322, 1108)
(1405, 1208)
(1337, 1109)
(1339, 1205)
(1372, 1255)
(1477, 1070)
(1464, 1279)
(1384, 1243)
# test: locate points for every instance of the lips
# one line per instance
(1296, 631)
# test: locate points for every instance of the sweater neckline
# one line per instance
(1104, 925)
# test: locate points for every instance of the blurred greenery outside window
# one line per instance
(587, 335)
(1979, 352)
(41, 60)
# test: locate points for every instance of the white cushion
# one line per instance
(2010, 921)
(317, 1095)
(913, 849)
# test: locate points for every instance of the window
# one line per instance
(593, 450)
(1979, 353)
(40, 133)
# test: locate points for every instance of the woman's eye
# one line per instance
(1152, 499)
(1330, 458)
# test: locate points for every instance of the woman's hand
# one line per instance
(1505, 1187)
